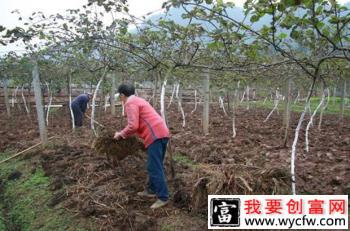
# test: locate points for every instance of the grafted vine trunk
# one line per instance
(264, 100)
(292, 161)
(234, 133)
(24, 101)
(101, 103)
(311, 122)
(222, 105)
(49, 104)
(195, 101)
(228, 100)
(14, 97)
(296, 137)
(179, 99)
(323, 108)
(234, 103)
(162, 93)
(297, 98)
(334, 94)
(70, 99)
(172, 95)
(276, 102)
(92, 120)
(17, 100)
(243, 95)
(206, 99)
(107, 97)
(39, 105)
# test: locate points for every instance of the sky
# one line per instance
(26, 7)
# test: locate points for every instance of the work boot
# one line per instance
(146, 193)
(158, 204)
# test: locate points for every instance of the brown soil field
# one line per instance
(254, 162)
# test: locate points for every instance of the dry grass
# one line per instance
(116, 150)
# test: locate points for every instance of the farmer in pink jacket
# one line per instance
(148, 125)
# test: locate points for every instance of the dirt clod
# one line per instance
(117, 150)
(14, 175)
(57, 198)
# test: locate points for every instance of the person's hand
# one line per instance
(117, 136)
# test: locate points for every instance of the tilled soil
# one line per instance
(85, 183)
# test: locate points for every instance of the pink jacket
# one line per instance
(144, 121)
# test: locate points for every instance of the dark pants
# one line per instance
(155, 157)
(78, 115)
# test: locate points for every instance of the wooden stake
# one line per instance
(95, 121)
(21, 152)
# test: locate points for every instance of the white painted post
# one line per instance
(325, 105)
(70, 100)
(92, 121)
(49, 104)
(180, 107)
(195, 101)
(310, 123)
(172, 95)
(292, 161)
(24, 101)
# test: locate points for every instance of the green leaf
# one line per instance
(281, 7)
(218, 31)
(282, 35)
(215, 45)
(295, 34)
(319, 10)
(289, 3)
(208, 1)
(333, 20)
(41, 35)
(326, 32)
(2, 28)
(265, 31)
(212, 46)
(254, 18)
(288, 21)
(320, 24)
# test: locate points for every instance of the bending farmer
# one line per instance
(148, 125)
(79, 105)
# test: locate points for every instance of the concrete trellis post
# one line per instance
(7, 103)
(38, 103)
(206, 99)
